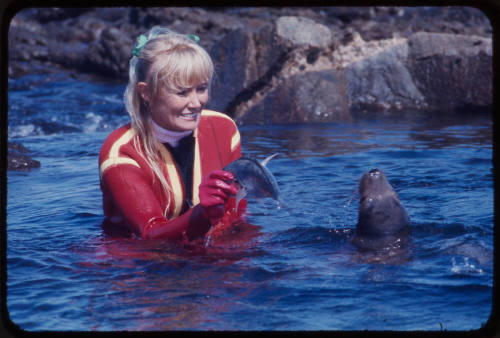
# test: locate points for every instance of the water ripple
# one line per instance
(300, 273)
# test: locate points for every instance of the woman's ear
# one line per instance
(142, 88)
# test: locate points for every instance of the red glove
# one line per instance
(231, 218)
(231, 215)
(215, 189)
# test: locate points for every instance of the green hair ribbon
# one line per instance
(142, 40)
(140, 43)
(193, 37)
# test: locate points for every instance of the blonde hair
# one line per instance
(166, 60)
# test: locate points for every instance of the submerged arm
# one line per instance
(133, 197)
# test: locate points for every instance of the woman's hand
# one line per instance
(215, 189)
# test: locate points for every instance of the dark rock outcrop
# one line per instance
(234, 84)
(107, 55)
(284, 65)
(427, 72)
(452, 71)
(308, 97)
(376, 75)
(18, 158)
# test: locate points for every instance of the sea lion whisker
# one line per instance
(353, 196)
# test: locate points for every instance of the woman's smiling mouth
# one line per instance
(190, 116)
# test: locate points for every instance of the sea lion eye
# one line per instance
(365, 199)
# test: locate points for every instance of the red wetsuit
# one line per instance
(132, 196)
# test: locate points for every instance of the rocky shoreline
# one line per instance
(284, 65)
(18, 158)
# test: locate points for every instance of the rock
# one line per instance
(380, 58)
(52, 127)
(56, 14)
(234, 50)
(245, 62)
(303, 31)
(452, 71)
(423, 73)
(108, 56)
(30, 44)
(308, 97)
(272, 57)
(68, 54)
(376, 75)
(18, 159)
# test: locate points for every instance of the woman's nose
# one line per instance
(194, 100)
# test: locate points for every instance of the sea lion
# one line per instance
(382, 219)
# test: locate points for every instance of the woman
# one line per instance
(161, 174)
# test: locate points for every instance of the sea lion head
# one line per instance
(380, 210)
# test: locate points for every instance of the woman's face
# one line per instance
(179, 110)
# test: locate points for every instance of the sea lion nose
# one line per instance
(374, 172)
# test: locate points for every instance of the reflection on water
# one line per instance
(170, 285)
(297, 271)
(419, 131)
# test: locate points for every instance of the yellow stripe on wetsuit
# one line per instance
(175, 182)
(235, 141)
(114, 158)
(196, 170)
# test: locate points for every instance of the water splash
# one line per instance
(242, 192)
(93, 122)
(208, 240)
(24, 131)
(464, 268)
(353, 197)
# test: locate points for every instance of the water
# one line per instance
(300, 273)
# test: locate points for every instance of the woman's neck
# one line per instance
(169, 136)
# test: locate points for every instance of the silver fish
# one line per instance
(254, 179)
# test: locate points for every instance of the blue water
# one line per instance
(300, 273)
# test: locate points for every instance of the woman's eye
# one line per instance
(182, 93)
(201, 89)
